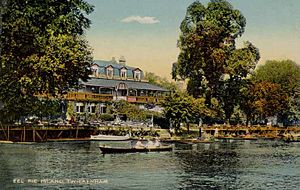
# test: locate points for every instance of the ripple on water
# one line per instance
(223, 165)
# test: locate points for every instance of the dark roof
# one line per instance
(131, 84)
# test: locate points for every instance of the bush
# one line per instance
(107, 117)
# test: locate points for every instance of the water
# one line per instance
(222, 165)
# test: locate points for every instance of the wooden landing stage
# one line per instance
(43, 134)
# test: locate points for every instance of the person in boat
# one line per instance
(139, 144)
(157, 143)
(150, 144)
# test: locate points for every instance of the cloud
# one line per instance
(141, 20)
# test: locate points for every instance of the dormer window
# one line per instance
(137, 75)
(123, 73)
(110, 72)
(95, 71)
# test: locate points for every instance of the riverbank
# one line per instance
(28, 133)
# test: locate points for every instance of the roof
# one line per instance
(102, 63)
(131, 84)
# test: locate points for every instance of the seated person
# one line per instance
(157, 143)
(139, 144)
(150, 144)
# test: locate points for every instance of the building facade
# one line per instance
(113, 81)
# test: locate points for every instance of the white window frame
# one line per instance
(123, 73)
(137, 75)
(110, 72)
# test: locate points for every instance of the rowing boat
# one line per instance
(109, 150)
(109, 137)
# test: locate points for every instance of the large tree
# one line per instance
(43, 50)
(263, 99)
(208, 55)
(286, 74)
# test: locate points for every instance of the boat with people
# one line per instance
(112, 150)
(101, 137)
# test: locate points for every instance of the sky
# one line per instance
(145, 32)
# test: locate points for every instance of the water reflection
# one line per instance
(207, 168)
(221, 165)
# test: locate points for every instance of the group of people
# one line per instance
(150, 144)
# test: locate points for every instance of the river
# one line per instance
(221, 165)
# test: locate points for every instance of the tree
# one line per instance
(208, 57)
(131, 111)
(43, 50)
(286, 74)
(264, 99)
(178, 108)
(160, 81)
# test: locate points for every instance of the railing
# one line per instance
(81, 96)
(145, 99)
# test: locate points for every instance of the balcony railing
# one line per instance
(144, 99)
(81, 96)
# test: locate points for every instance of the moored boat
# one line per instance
(111, 150)
(109, 137)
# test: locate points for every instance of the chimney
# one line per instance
(113, 59)
(122, 60)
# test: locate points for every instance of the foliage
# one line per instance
(43, 50)
(286, 74)
(131, 111)
(106, 117)
(179, 107)
(208, 57)
(47, 108)
(264, 99)
(163, 82)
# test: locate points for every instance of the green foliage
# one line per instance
(43, 50)
(163, 82)
(106, 117)
(47, 108)
(179, 107)
(133, 112)
(208, 57)
(285, 74)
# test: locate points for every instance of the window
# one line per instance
(91, 108)
(103, 109)
(123, 74)
(137, 75)
(95, 72)
(109, 72)
(79, 108)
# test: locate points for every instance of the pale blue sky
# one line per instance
(119, 27)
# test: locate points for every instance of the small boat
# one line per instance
(111, 150)
(109, 137)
